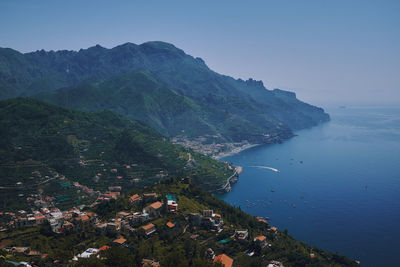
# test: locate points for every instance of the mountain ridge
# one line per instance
(237, 110)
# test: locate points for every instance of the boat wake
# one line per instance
(265, 167)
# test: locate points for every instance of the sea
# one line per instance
(335, 186)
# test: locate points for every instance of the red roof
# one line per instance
(103, 248)
(170, 224)
(156, 205)
(224, 259)
(260, 238)
(120, 241)
(148, 226)
(134, 197)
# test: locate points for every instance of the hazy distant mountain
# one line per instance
(159, 84)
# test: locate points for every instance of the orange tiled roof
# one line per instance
(103, 248)
(170, 224)
(120, 240)
(134, 197)
(156, 205)
(224, 259)
(148, 226)
(260, 238)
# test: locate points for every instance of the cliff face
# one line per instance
(161, 85)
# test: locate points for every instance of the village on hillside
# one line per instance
(149, 214)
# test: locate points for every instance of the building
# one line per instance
(172, 203)
(87, 253)
(81, 223)
(154, 209)
(135, 199)
(241, 233)
(260, 241)
(104, 248)
(209, 254)
(150, 263)
(208, 213)
(224, 260)
(119, 241)
(149, 229)
(273, 229)
(170, 225)
(275, 264)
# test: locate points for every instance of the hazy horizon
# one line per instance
(339, 53)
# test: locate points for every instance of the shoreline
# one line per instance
(234, 151)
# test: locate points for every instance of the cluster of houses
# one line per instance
(207, 145)
(140, 221)
(60, 221)
(208, 220)
(129, 221)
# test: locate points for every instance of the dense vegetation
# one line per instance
(159, 84)
(94, 149)
(177, 247)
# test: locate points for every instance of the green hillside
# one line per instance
(98, 150)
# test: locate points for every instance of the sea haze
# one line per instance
(338, 185)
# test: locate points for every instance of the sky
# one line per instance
(342, 52)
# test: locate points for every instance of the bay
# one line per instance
(338, 185)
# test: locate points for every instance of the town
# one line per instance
(149, 213)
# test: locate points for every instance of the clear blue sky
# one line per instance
(328, 52)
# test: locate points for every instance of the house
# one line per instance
(260, 241)
(101, 228)
(86, 254)
(260, 219)
(40, 219)
(170, 225)
(275, 264)
(123, 214)
(172, 202)
(104, 248)
(224, 260)
(119, 241)
(150, 263)
(241, 233)
(135, 199)
(208, 213)
(154, 209)
(273, 229)
(82, 223)
(149, 229)
(210, 254)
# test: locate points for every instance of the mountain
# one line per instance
(159, 84)
(46, 147)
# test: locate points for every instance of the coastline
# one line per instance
(234, 151)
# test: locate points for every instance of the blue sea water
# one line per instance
(338, 187)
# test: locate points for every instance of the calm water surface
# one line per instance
(338, 187)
